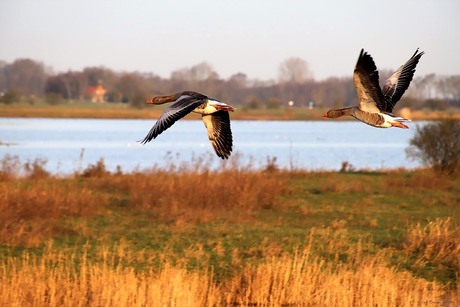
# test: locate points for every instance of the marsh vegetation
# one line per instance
(190, 236)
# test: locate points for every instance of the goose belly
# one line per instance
(205, 110)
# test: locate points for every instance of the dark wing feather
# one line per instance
(399, 81)
(173, 113)
(366, 80)
(219, 133)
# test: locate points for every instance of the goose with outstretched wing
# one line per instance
(376, 104)
(214, 114)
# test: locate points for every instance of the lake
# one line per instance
(71, 144)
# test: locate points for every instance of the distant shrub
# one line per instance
(274, 103)
(436, 104)
(347, 167)
(271, 165)
(96, 170)
(36, 169)
(10, 97)
(437, 145)
(253, 103)
(10, 167)
(53, 99)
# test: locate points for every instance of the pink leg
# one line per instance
(399, 125)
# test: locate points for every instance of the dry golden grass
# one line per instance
(302, 278)
(66, 279)
(419, 180)
(35, 205)
(437, 242)
(205, 196)
(32, 211)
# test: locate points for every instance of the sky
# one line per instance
(251, 37)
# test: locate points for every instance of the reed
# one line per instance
(35, 202)
(33, 211)
(302, 278)
(435, 245)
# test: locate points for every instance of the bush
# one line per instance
(437, 145)
(10, 97)
(274, 103)
(96, 170)
(10, 167)
(53, 99)
(36, 169)
(436, 104)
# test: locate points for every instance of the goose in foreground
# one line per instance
(214, 113)
(376, 104)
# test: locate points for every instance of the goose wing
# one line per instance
(219, 133)
(399, 81)
(366, 81)
(178, 109)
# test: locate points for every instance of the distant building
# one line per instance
(96, 93)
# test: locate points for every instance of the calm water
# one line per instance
(71, 144)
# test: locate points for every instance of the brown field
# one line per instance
(189, 236)
(117, 110)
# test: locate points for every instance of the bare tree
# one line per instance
(26, 76)
(238, 79)
(437, 144)
(449, 87)
(199, 72)
(294, 70)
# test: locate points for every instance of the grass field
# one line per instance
(189, 236)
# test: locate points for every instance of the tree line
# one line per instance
(29, 79)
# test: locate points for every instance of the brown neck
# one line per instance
(174, 97)
(165, 99)
(341, 112)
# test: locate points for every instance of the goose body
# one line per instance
(376, 104)
(214, 113)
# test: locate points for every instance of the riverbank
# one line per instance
(124, 111)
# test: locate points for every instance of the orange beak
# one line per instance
(225, 108)
(325, 115)
(150, 101)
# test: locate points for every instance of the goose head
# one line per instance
(334, 113)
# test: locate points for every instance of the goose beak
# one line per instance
(324, 115)
(150, 101)
(222, 106)
(225, 108)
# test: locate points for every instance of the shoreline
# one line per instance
(119, 111)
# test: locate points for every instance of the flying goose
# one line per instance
(376, 104)
(214, 113)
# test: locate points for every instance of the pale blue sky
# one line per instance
(252, 37)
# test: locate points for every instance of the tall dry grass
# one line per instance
(436, 244)
(205, 196)
(302, 278)
(192, 192)
(32, 211)
(71, 279)
(34, 203)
